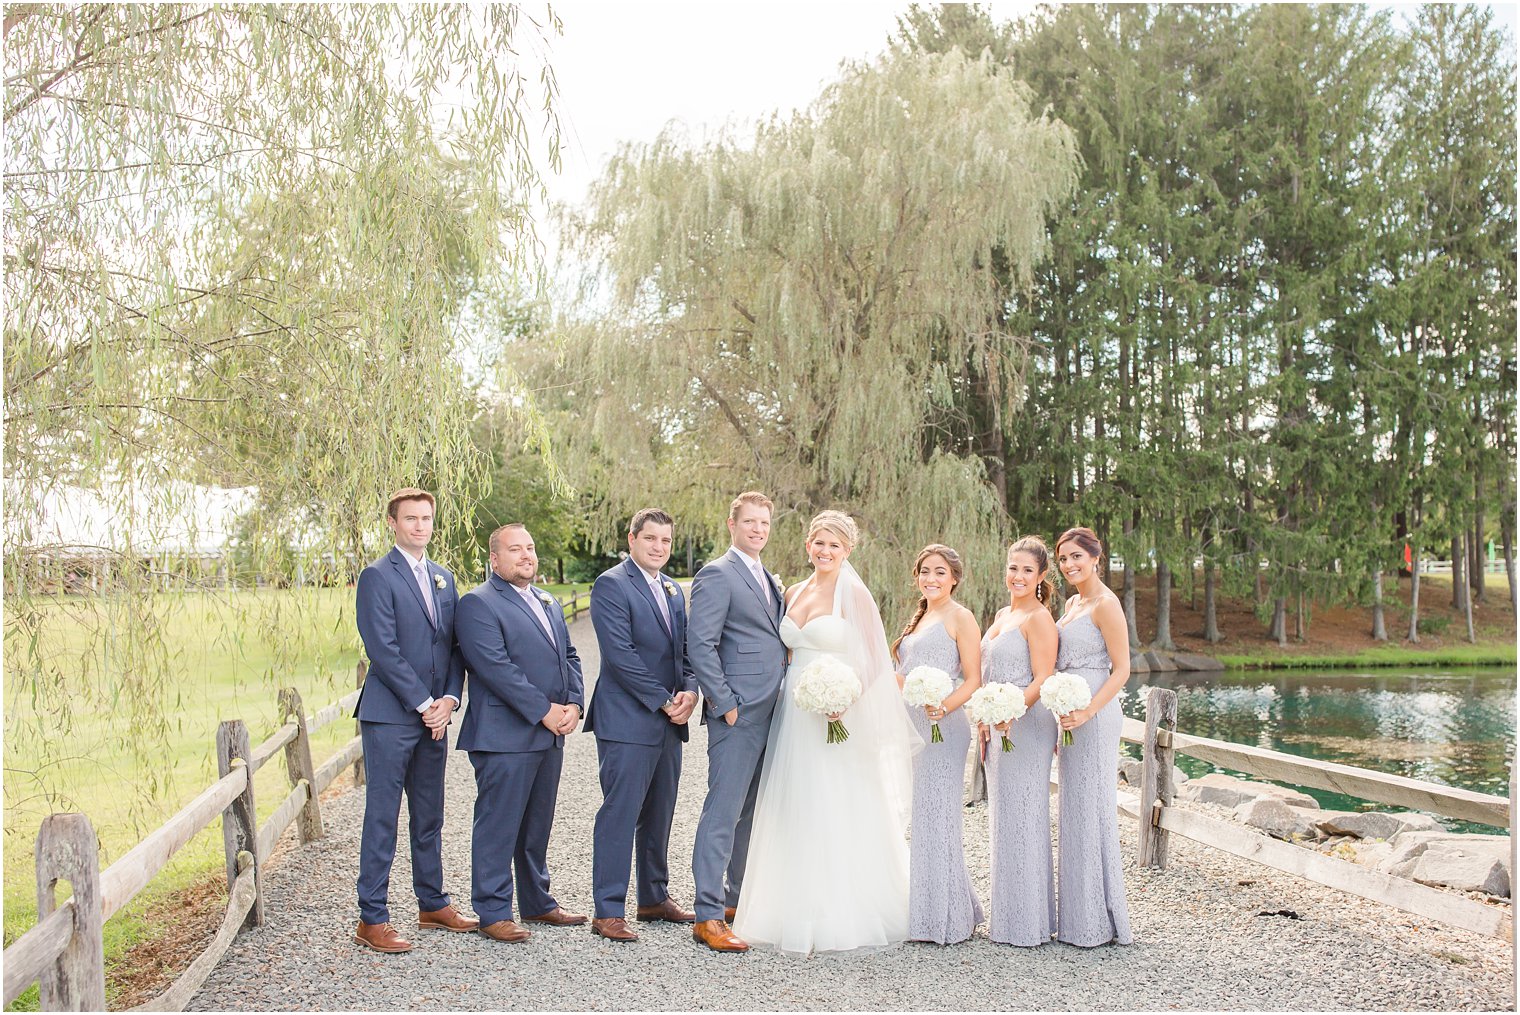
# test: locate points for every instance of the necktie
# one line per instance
(765, 583)
(543, 617)
(427, 593)
(659, 598)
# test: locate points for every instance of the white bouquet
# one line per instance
(924, 686)
(1064, 693)
(827, 687)
(994, 704)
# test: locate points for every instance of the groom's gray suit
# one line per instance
(734, 643)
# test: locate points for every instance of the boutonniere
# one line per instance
(544, 597)
(670, 589)
(776, 581)
(440, 582)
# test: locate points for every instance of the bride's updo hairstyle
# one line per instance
(957, 571)
(837, 522)
(1036, 548)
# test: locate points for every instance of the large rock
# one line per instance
(1129, 771)
(1410, 844)
(1277, 818)
(1228, 791)
(1159, 662)
(1222, 790)
(1469, 863)
(1137, 663)
(1196, 661)
(1376, 824)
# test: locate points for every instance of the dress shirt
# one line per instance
(425, 585)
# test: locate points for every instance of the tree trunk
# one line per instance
(1458, 572)
(1379, 629)
(1210, 609)
(1476, 569)
(1280, 621)
(1467, 601)
(1507, 534)
(1129, 590)
(1414, 597)
(1301, 620)
(1164, 608)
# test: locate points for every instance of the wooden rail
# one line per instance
(1153, 808)
(64, 952)
(579, 602)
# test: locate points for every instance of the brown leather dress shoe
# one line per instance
(716, 935)
(382, 937)
(557, 917)
(613, 928)
(506, 930)
(447, 918)
(667, 911)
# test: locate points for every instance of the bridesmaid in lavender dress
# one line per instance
(1020, 649)
(1095, 646)
(941, 904)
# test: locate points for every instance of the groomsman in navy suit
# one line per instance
(405, 612)
(644, 696)
(525, 696)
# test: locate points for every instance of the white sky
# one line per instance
(625, 70)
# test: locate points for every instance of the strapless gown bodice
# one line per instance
(825, 635)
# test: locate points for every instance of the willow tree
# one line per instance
(242, 243)
(799, 311)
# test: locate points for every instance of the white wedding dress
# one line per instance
(828, 856)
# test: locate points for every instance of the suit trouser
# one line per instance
(401, 758)
(639, 784)
(734, 756)
(514, 812)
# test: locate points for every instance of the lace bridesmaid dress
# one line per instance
(1018, 789)
(942, 907)
(1090, 884)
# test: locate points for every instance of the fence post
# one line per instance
(240, 823)
(1156, 774)
(68, 851)
(299, 767)
(359, 671)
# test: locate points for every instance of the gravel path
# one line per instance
(1199, 941)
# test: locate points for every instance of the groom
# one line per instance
(734, 643)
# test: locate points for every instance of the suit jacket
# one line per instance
(734, 637)
(411, 658)
(643, 663)
(516, 672)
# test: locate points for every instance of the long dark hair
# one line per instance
(1036, 548)
(957, 571)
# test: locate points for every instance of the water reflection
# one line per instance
(1453, 727)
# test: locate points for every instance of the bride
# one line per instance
(828, 858)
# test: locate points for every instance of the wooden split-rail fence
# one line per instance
(1160, 743)
(64, 951)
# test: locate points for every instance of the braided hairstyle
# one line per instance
(1036, 548)
(957, 571)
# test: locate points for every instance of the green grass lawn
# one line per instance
(228, 655)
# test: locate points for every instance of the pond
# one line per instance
(1454, 726)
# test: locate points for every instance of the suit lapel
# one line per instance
(399, 559)
(516, 599)
(767, 605)
(636, 575)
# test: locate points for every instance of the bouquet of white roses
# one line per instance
(994, 704)
(924, 686)
(827, 687)
(1064, 693)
